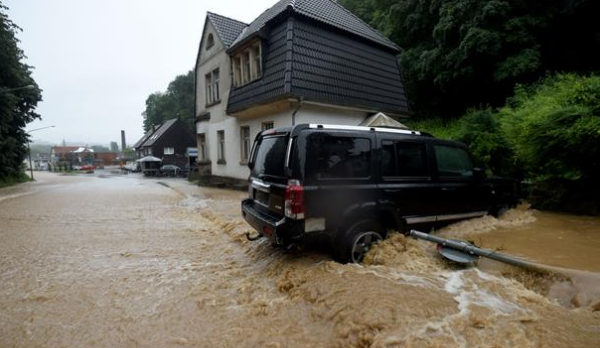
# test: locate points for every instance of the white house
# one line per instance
(300, 61)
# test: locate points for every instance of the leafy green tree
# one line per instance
(482, 131)
(460, 54)
(129, 153)
(176, 102)
(17, 104)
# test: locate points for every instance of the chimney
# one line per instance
(123, 144)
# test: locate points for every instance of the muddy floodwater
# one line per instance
(121, 261)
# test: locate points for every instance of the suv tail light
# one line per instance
(294, 200)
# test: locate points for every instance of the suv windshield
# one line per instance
(270, 157)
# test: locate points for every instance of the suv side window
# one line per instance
(403, 159)
(341, 157)
(453, 162)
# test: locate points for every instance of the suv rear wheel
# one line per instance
(353, 243)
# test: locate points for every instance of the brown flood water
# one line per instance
(120, 261)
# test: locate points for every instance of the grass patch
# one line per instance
(439, 127)
(14, 179)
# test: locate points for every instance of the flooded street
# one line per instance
(122, 261)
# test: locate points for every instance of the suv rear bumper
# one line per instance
(278, 229)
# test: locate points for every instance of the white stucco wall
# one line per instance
(210, 59)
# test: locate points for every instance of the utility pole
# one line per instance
(29, 149)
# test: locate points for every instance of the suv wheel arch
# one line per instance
(353, 242)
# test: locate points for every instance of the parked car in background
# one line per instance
(131, 167)
(170, 170)
(87, 168)
(351, 185)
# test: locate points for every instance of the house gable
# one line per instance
(228, 29)
(204, 51)
(221, 31)
(172, 133)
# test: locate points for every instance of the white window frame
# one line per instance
(244, 144)
(237, 71)
(247, 65)
(202, 149)
(213, 94)
(256, 61)
(267, 125)
(221, 146)
(169, 151)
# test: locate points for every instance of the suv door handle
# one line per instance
(392, 190)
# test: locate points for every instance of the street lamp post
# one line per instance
(6, 90)
(29, 148)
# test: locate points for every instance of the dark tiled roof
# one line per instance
(305, 58)
(325, 11)
(159, 132)
(228, 29)
(142, 139)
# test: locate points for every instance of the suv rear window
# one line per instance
(270, 157)
(340, 157)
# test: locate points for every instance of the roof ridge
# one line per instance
(365, 23)
(288, 4)
(318, 11)
(216, 14)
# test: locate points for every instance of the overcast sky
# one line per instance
(98, 60)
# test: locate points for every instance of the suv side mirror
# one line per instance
(479, 173)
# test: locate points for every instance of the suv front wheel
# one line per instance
(353, 243)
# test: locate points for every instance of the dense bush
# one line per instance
(482, 131)
(554, 127)
(547, 131)
(438, 127)
(16, 178)
(547, 134)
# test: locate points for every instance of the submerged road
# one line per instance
(121, 261)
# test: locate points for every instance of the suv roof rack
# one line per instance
(367, 129)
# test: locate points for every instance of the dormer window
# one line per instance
(210, 41)
(247, 65)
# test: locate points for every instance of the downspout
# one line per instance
(296, 111)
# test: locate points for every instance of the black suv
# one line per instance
(353, 184)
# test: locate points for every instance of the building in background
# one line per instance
(169, 142)
(61, 155)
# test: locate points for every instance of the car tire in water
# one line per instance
(500, 210)
(353, 243)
